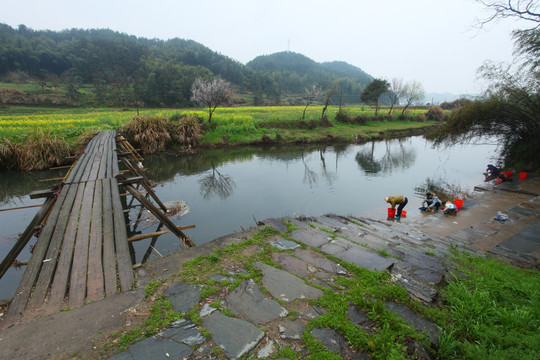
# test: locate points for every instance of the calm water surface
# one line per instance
(226, 190)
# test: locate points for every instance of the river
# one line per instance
(227, 190)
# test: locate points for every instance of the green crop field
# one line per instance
(234, 122)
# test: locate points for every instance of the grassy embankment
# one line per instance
(46, 129)
(489, 310)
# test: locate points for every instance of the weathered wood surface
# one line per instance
(82, 252)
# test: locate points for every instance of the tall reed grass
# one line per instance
(41, 150)
(153, 133)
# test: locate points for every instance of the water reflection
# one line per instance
(17, 184)
(402, 156)
(216, 184)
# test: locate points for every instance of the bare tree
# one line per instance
(396, 92)
(327, 99)
(413, 91)
(312, 95)
(211, 94)
(528, 10)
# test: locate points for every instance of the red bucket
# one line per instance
(458, 203)
(522, 175)
(392, 213)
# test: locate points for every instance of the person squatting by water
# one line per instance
(431, 201)
(398, 200)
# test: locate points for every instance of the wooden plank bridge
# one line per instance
(82, 251)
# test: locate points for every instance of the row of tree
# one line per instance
(119, 69)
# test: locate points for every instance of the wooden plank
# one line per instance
(32, 270)
(52, 179)
(42, 193)
(109, 158)
(77, 288)
(109, 258)
(79, 167)
(157, 233)
(131, 180)
(49, 263)
(61, 276)
(96, 160)
(102, 158)
(125, 267)
(107, 148)
(95, 287)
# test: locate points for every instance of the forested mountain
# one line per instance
(104, 67)
(294, 72)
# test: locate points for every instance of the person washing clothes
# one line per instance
(431, 201)
(398, 200)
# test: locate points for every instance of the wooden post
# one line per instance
(145, 183)
(155, 211)
(27, 235)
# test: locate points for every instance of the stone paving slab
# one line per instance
(276, 224)
(294, 265)
(284, 244)
(314, 238)
(526, 241)
(418, 290)
(183, 331)
(284, 286)
(357, 255)
(235, 336)
(335, 342)
(183, 296)
(249, 302)
(155, 348)
(416, 321)
(291, 329)
(320, 261)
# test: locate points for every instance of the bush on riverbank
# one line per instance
(40, 150)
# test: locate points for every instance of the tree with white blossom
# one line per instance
(313, 95)
(211, 94)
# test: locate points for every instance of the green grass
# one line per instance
(162, 314)
(495, 311)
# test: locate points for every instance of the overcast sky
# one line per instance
(431, 41)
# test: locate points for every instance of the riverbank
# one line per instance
(299, 286)
(38, 141)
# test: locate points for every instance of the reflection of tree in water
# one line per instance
(444, 190)
(404, 157)
(330, 177)
(310, 176)
(365, 159)
(216, 184)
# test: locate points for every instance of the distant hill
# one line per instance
(294, 72)
(104, 67)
